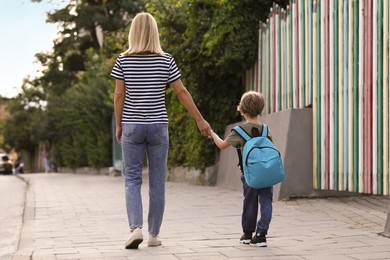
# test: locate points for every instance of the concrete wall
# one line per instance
(292, 133)
(193, 176)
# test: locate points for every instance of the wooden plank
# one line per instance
(264, 65)
(274, 61)
(268, 67)
(345, 91)
(319, 92)
(379, 129)
(336, 93)
(295, 54)
(341, 95)
(331, 96)
(282, 60)
(355, 93)
(325, 94)
(385, 98)
(374, 97)
(361, 95)
(299, 53)
(388, 109)
(307, 52)
(310, 57)
(302, 53)
(350, 95)
(316, 179)
(368, 97)
(277, 58)
(324, 183)
(259, 58)
(288, 50)
(291, 64)
(286, 68)
(297, 57)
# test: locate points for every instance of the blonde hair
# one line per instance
(251, 104)
(143, 36)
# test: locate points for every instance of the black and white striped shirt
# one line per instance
(146, 77)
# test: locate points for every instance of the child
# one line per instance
(250, 107)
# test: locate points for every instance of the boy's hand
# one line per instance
(222, 144)
(211, 134)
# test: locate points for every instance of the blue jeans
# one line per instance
(138, 140)
(252, 199)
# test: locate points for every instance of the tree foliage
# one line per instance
(70, 105)
(26, 127)
(84, 137)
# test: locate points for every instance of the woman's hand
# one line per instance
(118, 134)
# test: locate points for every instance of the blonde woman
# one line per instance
(141, 74)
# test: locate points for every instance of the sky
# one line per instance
(24, 32)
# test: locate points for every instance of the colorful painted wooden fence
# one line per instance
(332, 55)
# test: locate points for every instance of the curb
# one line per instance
(25, 243)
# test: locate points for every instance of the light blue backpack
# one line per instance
(260, 160)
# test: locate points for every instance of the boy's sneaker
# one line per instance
(259, 240)
(154, 241)
(135, 239)
(246, 238)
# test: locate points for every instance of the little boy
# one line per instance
(250, 107)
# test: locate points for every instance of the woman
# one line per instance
(141, 74)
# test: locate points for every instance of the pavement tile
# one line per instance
(335, 256)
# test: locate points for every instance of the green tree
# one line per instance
(25, 128)
(74, 84)
(85, 112)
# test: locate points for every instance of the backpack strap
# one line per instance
(239, 153)
(244, 135)
(265, 131)
(241, 132)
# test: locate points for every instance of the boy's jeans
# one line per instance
(138, 139)
(252, 199)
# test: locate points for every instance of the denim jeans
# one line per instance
(138, 140)
(252, 199)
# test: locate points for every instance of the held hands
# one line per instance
(204, 127)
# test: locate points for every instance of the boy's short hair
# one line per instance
(251, 103)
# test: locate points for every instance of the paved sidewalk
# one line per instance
(83, 217)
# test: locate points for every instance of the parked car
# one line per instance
(5, 164)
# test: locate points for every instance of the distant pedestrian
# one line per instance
(19, 164)
(46, 158)
(250, 107)
(141, 74)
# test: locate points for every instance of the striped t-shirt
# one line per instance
(146, 77)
